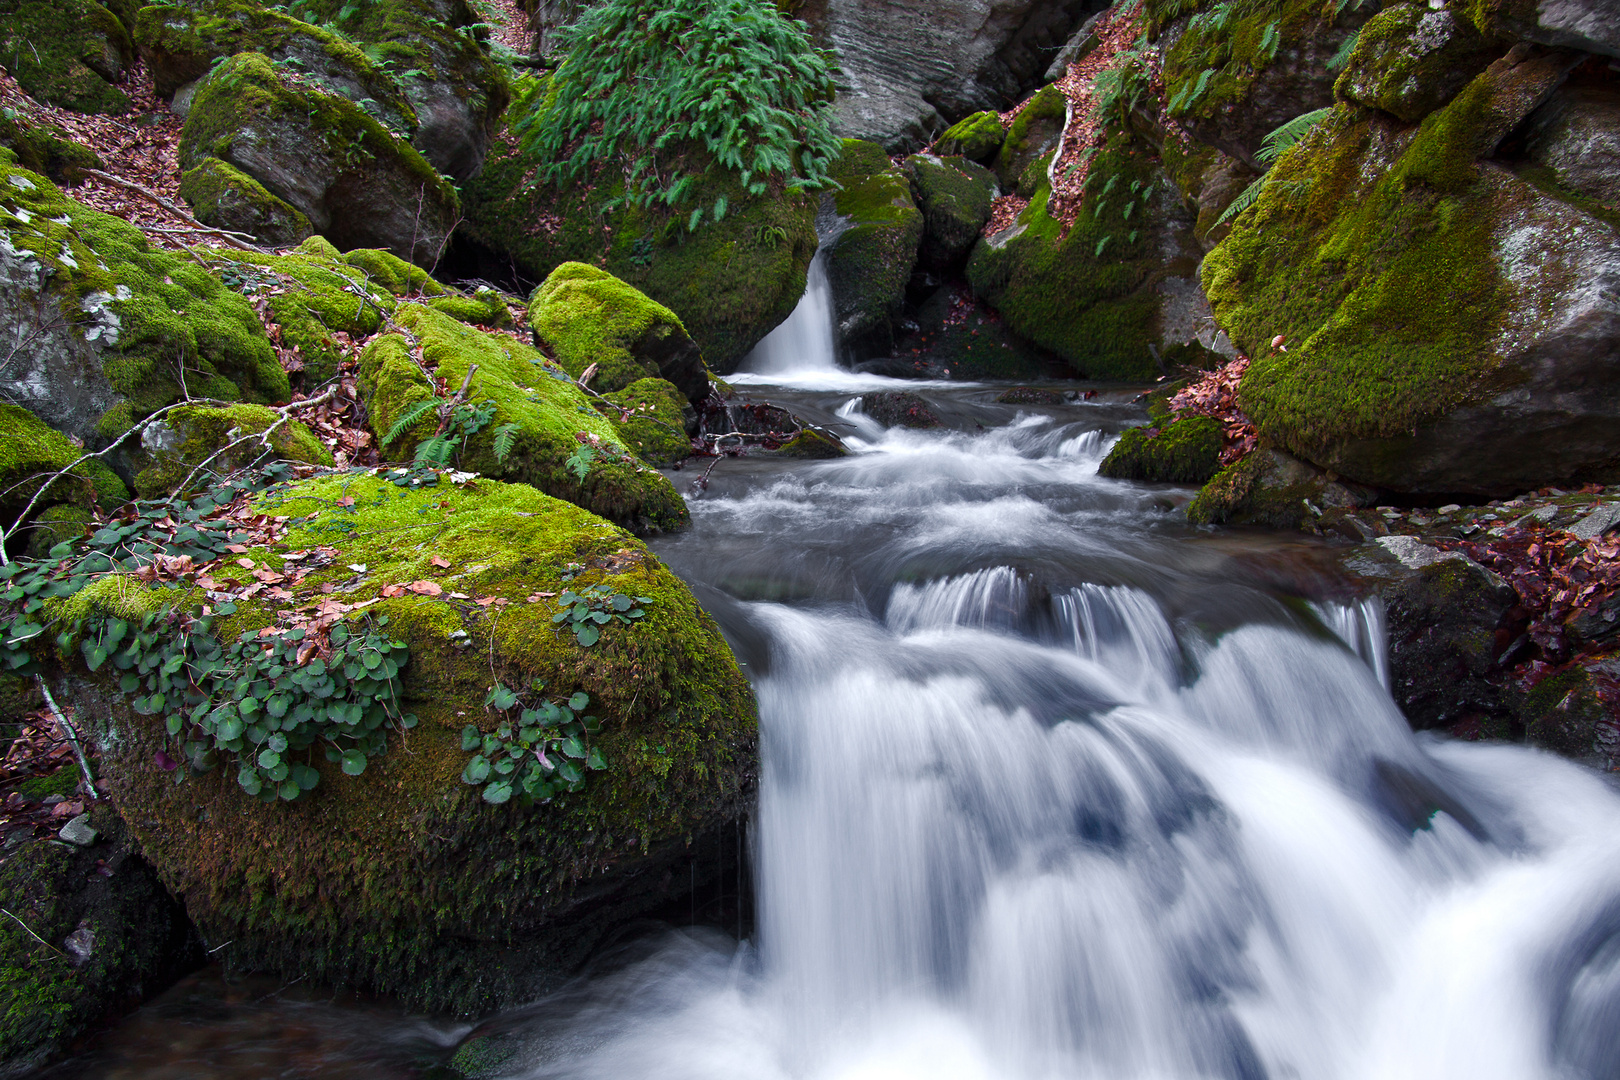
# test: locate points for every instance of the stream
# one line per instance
(1053, 785)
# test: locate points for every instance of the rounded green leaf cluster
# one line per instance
(545, 753)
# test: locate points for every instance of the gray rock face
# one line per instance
(1588, 25)
(910, 68)
(1577, 136)
(1410, 60)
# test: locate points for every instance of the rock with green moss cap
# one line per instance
(1409, 60)
(535, 403)
(1185, 451)
(652, 418)
(358, 184)
(47, 148)
(402, 879)
(203, 441)
(976, 137)
(1444, 321)
(585, 316)
(31, 454)
(111, 323)
(1032, 135)
(114, 937)
(55, 524)
(870, 260)
(1271, 488)
(954, 195)
(730, 282)
(1111, 290)
(66, 52)
(225, 197)
(485, 307)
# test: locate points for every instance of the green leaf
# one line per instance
(305, 777)
(269, 759)
(572, 747)
(470, 738)
(586, 634)
(249, 779)
(579, 701)
(594, 760)
(354, 762)
(498, 792)
(477, 770)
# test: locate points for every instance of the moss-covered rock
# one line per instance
(652, 420)
(975, 137)
(221, 441)
(47, 149)
(402, 880)
(225, 197)
(586, 316)
(358, 184)
(1409, 60)
(954, 195)
(113, 325)
(871, 260)
(730, 282)
(485, 307)
(66, 52)
(549, 417)
(1186, 451)
(1440, 334)
(1032, 135)
(102, 902)
(31, 453)
(55, 524)
(1271, 488)
(1096, 295)
(960, 337)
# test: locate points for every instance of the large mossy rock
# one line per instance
(110, 322)
(960, 337)
(357, 183)
(31, 454)
(225, 197)
(975, 137)
(954, 195)
(66, 52)
(48, 149)
(1185, 451)
(549, 417)
(1031, 139)
(584, 316)
(1409, 60)
(401, 880)
(730, 282)
(1111, 291)
(101, 901)
(1589, 25)
(870, 260)
(652, 420)
(1575, 137)
(1449, 326)
(205, 441)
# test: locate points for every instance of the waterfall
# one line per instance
(805, 344)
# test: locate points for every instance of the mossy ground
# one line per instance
(66, 52)
(31, 453)
(402, 880)
(202, 432)
(1186, 451)
(162, 315)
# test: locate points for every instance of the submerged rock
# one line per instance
(898, 408)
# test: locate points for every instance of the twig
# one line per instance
(455, 399)
(229, 238)
(72, 738)
(29, 930)
(285, 413)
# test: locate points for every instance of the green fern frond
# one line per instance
(1342, 57)
(1280, 141)
(409, 417)
(505, 438)
(1246, 198)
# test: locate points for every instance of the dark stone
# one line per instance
(899, 408)
(1030, 395)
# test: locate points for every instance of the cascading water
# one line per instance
(1053, 786)
(805, 343)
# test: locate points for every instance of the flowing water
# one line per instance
(1055, 786)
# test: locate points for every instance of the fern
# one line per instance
(505, 437)
(1269, 41)
(1101, 246)
(434, 452)
(1246, 198)
(409, 417)
(1280, 141)
(1342, 57)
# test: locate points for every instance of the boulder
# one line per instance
(48, 149)
(66, 52)
(358, 184)
(954, 195)
(1031, 139)
(225, 197)
(1448, 327)
(652, 418)
(398, 869)
(31, 453)
(203, 441)
(1588, 25)
(111, 323)
(537, 419)
(906, 66)
(1275, 489)
(952, 335)
(1184, 451)
(898, 408)
(871, 257)
(1576, 138)
(976, 137)
(1410, 59)
(584, 316)
(117, 937)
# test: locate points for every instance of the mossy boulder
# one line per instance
(1442, 335)
(871, 260)
(1409, 60)
(1104, 294)
(358, 184)
(112, 324)
(651, 420)
(402, 880)
(47, 149)
(975, 137)
(101, 902)
(585, 316)
(954, 195)
(32, 453)
(64, 521)
(1032, 135)
(225, 197)
(1185, 451)
(547, 415)
(220, 441)
(66, 52)
(730, 282)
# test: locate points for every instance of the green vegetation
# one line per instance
(530, 756)
(871, 262)
(66, 52)
(650, 417)
(31, 453)
(645, 81)
(46, 148)
(225, 197)
(589, 317)
(975, 137)
(1032, 133)
(1186, 451)
(214, 442)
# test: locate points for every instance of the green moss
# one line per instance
(1245, 493)
(1213, 68)
(971, 341)
(393, 273)
(200, 433)
(812, 444)
(551, 413)
(976, 137)
(871, 261)
(954, 195)
(1032, 133)
(64, 781)
(651, 423)
(31, 453)
(55, 524)
(587, 316)
(1089, 295)
(66, 52)
(401, 880)
(1386, 72)
(1186, 451)
(228, 198)
(485, 307)
(158, 311)
(47, 149)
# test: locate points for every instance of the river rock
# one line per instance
(402, 879)
(954, 195)
(356, 182)
(954, 335)
(975, 137)
(1185, 451)
(898, 408)
(227, 198)
(872, 252)
(1273, 488)
(1031, 139)
(66, 52)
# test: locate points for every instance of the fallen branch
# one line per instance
(30, 932)
(72, 738)
(148, 193)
